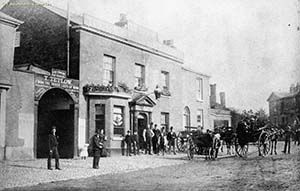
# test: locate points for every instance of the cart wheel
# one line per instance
(241, 150)
(264, 144)
(190, 149)
(181, 143)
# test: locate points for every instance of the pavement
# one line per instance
(33, 172)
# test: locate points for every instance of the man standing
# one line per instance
(148, 134)
(128, 140)
(287, 139)
(135, 143)
(97, 148)
(155, 139)
(171, 136)
(53, 152)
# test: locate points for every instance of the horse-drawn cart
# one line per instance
(182, 138)
(261, 137)
(192, 141)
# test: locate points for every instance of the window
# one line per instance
(139, 75)
(165, 80)
(200, 117)
(118, 121)
(199, 89)
(17, 39)
(164, 121)
(186, 117)
(108, 67)
(100, 116)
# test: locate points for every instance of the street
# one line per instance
(274, 172)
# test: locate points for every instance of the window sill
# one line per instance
(199, 100)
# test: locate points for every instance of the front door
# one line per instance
(142, 124)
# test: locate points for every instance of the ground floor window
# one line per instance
(100, 116)
(164, 121)
(187, 117)
(221, 123)
(200, 118)
(118, 121)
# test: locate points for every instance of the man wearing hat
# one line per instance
(98, 143)
(128, 141)
(53, 152)
(287, 139)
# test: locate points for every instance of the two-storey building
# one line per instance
(284, 107)
(112, 74)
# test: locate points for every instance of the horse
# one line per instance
(228, 137)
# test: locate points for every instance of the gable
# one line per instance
(273, 97)
(143, 100)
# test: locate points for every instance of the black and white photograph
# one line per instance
(123, 95)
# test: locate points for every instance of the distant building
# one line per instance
(284, 107)
(220, 115)
(113, 74)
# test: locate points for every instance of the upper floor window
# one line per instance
(165, 80)
(139, 75)
(199, 88)
(17, 39)
(109, 69)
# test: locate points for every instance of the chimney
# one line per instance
(292, 88)
(222, 99)
(213, 96)
(123, 20)
(169, 43)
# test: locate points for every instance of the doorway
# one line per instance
(56, 107)
(142, 124)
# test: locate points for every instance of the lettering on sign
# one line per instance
(45, 82)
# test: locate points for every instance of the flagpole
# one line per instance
(68, 38)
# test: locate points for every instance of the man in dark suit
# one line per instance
(128, 141)
(287, 139)
(97, 148)
(53, 152)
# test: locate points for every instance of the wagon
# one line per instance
(261, 137)
(196, 142)
(182, 138)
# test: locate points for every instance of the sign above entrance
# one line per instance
(44, 82)
(58, 73)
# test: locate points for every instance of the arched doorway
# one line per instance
(56, 107)
(142, 124)
(186, 117)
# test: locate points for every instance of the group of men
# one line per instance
(152, 140)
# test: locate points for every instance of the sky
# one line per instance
(249, 48)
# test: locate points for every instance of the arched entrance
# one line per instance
(186, 117)
(56, 107)
(142, 124)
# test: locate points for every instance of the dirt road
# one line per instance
(280, 172)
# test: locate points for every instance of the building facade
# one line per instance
(8, 27)
(113, 73)
(284, 107)
(219, 115)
